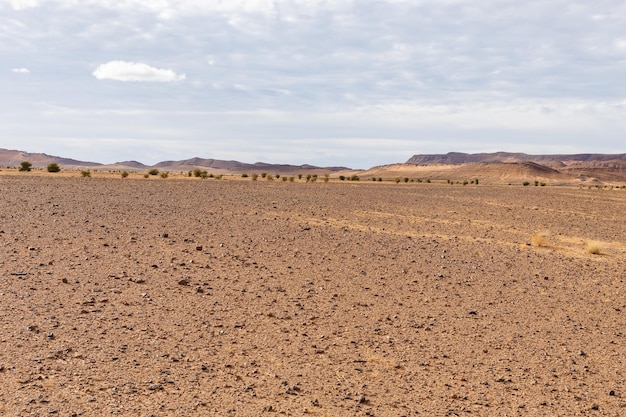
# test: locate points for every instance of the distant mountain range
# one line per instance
(497, 167)
(13, 158)
(456, 158)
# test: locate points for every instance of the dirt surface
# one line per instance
(174, 298)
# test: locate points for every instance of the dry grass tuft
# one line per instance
(540, 239)
(593, 247)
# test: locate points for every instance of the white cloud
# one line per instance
(135, 71)
(21, 70)
(24, 4)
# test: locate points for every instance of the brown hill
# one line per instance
(499, 173)
(13, 158)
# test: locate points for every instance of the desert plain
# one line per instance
(151, 297)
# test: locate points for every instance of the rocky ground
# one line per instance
(188, 297)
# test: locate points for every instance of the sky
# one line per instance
(354, 83)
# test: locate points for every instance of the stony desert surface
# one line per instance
(153, 297)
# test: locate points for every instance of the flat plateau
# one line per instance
(188, 297)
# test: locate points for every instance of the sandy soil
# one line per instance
(184, 298)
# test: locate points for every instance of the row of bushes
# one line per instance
(26, 166)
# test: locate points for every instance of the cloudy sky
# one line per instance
(327, 82)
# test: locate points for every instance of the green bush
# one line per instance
(244, 175)
(85, 174)
(165, 174)
(525, 183)
(342, 178)
(124, 174)
(26, 166)
(153, 171)
(53, 167)
(254, 177)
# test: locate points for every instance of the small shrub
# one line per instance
(406, 179)
(525, 183)
(146, 175)
(165, 174)
(593, 247)
(465, 182)
(25, 166)
(263, 174)
(153, 171)
(244, 175)
(291, 179)
(476, 181)
(53, 167)
(277, 176)
(380, 179)
(428, 181)
(539, 239)
(342, 178)
(204, 175)
(255, 177)
(197, 173)
(543, 184)
(190, 173)
(536, 183)
(124, 174)
(285, 179)
(85, 174)
(354, 178)
(299, 176)
(397, 180)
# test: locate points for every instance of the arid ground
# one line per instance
(151, 297)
